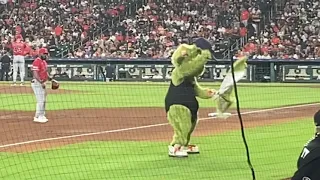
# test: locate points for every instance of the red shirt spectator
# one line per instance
(18, 30)
(243, 31)
(119, 37)
(245, 15)
(85, 27)
(250, 47)
(18, 37)
(275, 40)
(264, 48)
(58, 30)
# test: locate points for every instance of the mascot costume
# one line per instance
(181, 104)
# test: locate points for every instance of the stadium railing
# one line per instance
(144, 69)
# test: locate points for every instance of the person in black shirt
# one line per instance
(309, 160)
(5, 66)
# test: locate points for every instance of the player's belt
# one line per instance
(34, 80)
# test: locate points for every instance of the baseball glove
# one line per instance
(54, 84)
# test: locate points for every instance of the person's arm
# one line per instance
(49, 77)
(36, 76)
(10, 59)
(311, 170)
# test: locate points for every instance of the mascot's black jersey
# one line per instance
(309, 161)
(183, 94)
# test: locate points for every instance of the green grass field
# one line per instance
(274, 149)
(130, 95)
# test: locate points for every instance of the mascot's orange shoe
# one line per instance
(192, 149)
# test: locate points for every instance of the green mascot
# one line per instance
(181, 104)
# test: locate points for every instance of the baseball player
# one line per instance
(38, 84)
(18, 48)
(309, 159)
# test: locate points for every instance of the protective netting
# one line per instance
(100, 129)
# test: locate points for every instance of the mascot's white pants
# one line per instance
(18, 64)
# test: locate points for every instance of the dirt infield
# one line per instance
(19, 133)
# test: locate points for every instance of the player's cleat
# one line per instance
(177, 151)
(13, 84)
(191, 149)
(22, 84)
(42, 119)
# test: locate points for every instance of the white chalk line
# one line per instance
(143, 127)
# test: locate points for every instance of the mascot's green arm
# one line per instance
(188, 69)
(201, 92)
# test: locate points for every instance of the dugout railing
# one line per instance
(141, 69)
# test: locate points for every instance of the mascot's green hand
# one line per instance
(211, 92)
(203, 93)
(182, 52)
(208, 93)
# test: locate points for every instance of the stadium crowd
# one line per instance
(141, 28)
(293, 34)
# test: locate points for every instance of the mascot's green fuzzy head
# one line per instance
(189, 60)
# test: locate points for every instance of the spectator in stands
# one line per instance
(294, 34)
(161, 25)
(264, 55)
(60, 25)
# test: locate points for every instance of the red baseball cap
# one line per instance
(43, 51)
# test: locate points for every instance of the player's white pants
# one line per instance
(41, 97)
(18, 63)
